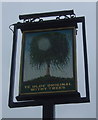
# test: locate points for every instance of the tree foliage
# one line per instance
(55, 53)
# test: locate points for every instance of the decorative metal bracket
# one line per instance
(33, 17)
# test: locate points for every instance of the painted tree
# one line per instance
(49, 48)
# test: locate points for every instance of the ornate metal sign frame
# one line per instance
(29, 24)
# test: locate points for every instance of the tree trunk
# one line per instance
(48, 70)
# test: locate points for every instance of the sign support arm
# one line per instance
(48, 111)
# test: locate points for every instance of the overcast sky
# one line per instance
(10, 14)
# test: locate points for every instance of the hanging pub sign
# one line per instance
(48, 64)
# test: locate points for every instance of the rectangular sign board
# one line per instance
(48, 61)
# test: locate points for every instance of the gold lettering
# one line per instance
(66, 84)
(27, 87)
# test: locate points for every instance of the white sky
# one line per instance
(48, 0)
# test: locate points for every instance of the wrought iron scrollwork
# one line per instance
(39, 17)
(32, 20)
